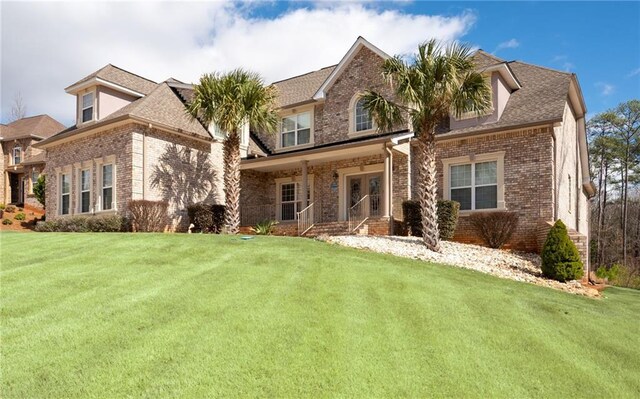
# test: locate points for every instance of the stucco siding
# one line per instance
(567, 174)
(109, 101)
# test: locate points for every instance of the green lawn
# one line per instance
(123, 315)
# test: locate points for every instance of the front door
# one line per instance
(360, 186)
(14, 183)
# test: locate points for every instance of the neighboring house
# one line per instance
(132, 140)
(329, 170)
(21, 163)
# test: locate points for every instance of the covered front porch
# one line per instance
(355, 187)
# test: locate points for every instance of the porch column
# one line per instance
(305, 185)
(386, 183)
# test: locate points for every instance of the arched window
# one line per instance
(362, 118)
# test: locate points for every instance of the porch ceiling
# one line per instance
(316, 156)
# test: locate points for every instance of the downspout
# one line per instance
(389, 188)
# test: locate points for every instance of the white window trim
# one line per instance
(81, 108)
(498, 157)
(287, 180)
(64, 171)
(352, 119)
(13, 154)
(100, 162)
(33, 182)
(292, 112)
(79, 169)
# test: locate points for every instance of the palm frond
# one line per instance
(385, 113)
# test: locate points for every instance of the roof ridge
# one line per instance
(304, 74)
(542, 67)
(129, 72)
(487, 54)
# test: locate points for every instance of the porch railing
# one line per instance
(358, 213)
(306, 219)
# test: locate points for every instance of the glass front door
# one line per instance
(361, 185)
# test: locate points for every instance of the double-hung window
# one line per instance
(34, 180)
(475, 185)
(296, 130)
(85, 191)
(107, 187)
(291, 200)
(65, 193)
(17, 155)
(87, 107)
(363, 118)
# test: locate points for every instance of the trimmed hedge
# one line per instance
(560, 257)
(494, 227)
(447, 218)
(85, 224)
(206, 218)
(148, 216)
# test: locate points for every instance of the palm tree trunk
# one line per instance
(428, 189)
(232, 183)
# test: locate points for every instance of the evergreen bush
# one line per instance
(560, 257)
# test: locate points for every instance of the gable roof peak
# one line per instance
(355, 47)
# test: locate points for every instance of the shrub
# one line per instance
(495, 228)
(560, 257)
(610, 274)
(206, 218)
(10, 209)
(20, 216)
(148, 216)
(447, 218)
(2, 206)
(84, 224)
(39, 189)
(7, 221)
(265, 227)
(20, 209)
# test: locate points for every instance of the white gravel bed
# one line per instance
(512, 265)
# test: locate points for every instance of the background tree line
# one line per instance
(614, 149)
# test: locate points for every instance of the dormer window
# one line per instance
(295, 130)
(363, 118)
(87, 107)
(17, 155)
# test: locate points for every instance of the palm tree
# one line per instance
(230, 101)
(437, 81)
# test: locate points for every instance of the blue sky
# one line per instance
(600, 41)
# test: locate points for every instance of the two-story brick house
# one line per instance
(528, 154)
(328, 169)
(21, 163)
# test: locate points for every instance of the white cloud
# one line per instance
(605, 88)
(564, 62)
(512, 43)
(634, 73)
(48, 46)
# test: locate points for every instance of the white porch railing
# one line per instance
(306, 219)
(358, 214)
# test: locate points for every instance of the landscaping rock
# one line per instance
(518, 266)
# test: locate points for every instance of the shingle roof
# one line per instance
(40, 126)
(301, 88)
(35, 159)
(122, 78)
(163, 106)
(541, 98)
(483, 59)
